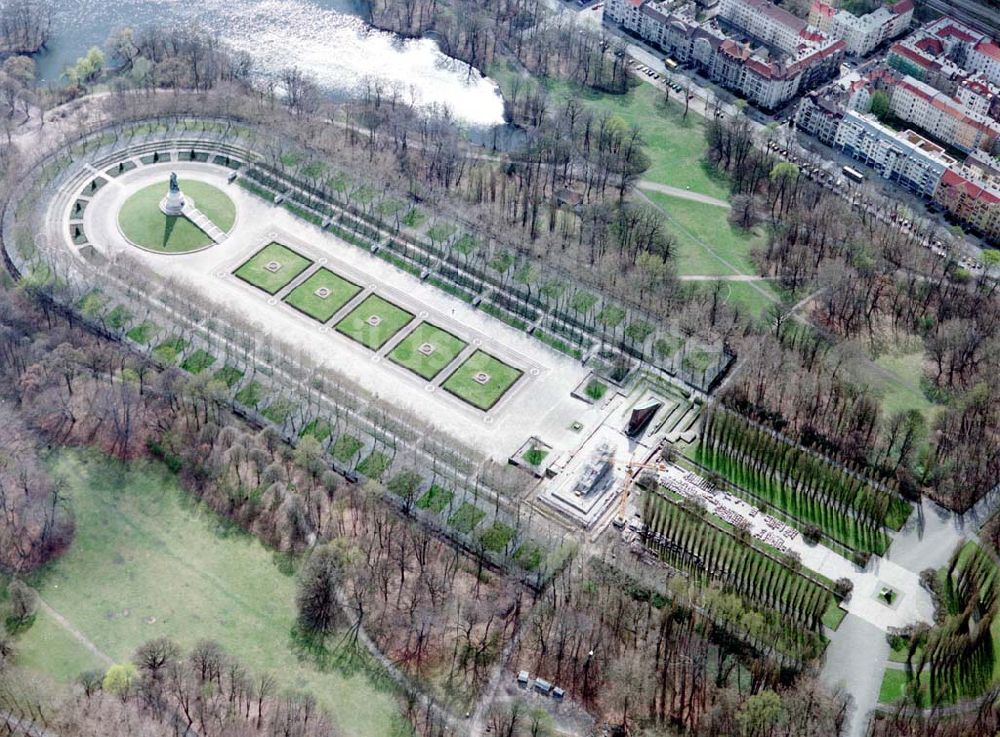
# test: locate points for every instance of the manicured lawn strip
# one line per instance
(446, 349)
(174, 569)
(834, 615)
(466, 517)
(119, 317)
(356, 327)
(144, 224)
(142, 333)
(345, 448)
(463, 385)
(170, 350)
(279, 411)
(893, 685)
(91, 303)
(374, 465)
(840, 527)
(304, 298)
(497, 537)
(250, 395)
(200, 360)
(319, 429)
(253, 272)
(228, 375)
(529, 555)
(435, 499)
(792, 604)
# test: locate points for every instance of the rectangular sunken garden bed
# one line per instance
(322, 294)
(427, 350)
(272, 267)
(482, 380)
(373, 322)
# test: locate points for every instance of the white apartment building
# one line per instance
(862, 34)
(907, 157)
(984, 58)
(765, 22)
(942, 116)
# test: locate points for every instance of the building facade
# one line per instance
(907, 157)
(943, 117)
(762, 77)
(862, 34)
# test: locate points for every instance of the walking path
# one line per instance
(683, 194)
(855, 662)
(74, 632)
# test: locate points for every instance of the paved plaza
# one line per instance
(540, 380)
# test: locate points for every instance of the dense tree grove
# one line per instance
(480, 32)
(872, 283)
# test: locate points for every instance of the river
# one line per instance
(325, 38)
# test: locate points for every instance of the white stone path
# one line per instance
(199, 218)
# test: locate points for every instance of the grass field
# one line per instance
(198, 361)
(170, 568)
(676, 147)
(144, 224)
(345, 448)
(357, 326)
(446, 349)
(305, 299)
(435, 499)
(254, 270)
(462, 382)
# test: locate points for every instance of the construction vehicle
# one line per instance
(632, 470)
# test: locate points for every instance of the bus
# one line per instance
(853, 174)
(670, 64)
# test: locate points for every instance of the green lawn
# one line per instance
(676, 147)
(345, 448)
(170, 350)
(144, 224)
(466, 517)
(228, 375)
(146, 561)
(497, 537)
(305, 299)
(375, 465)
(290, 264)
(899, 383)
(462, 382)
(446, 348)
(318, 429)
(893, 685)
(356, 325)
(142, 333)
(435, 499)
(198, 361)
(46, 647)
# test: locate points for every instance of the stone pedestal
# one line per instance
(173, 203)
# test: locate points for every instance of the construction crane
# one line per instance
(632, 469)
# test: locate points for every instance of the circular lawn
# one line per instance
(145, 225)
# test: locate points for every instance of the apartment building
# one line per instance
(862, 34)
(979, 96)
(765, 78)
(766, 22)
(942, 116)
(984, 58)
(907, 157)
(937, 53)
(972, 200)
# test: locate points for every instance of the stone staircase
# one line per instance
(199, 218)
